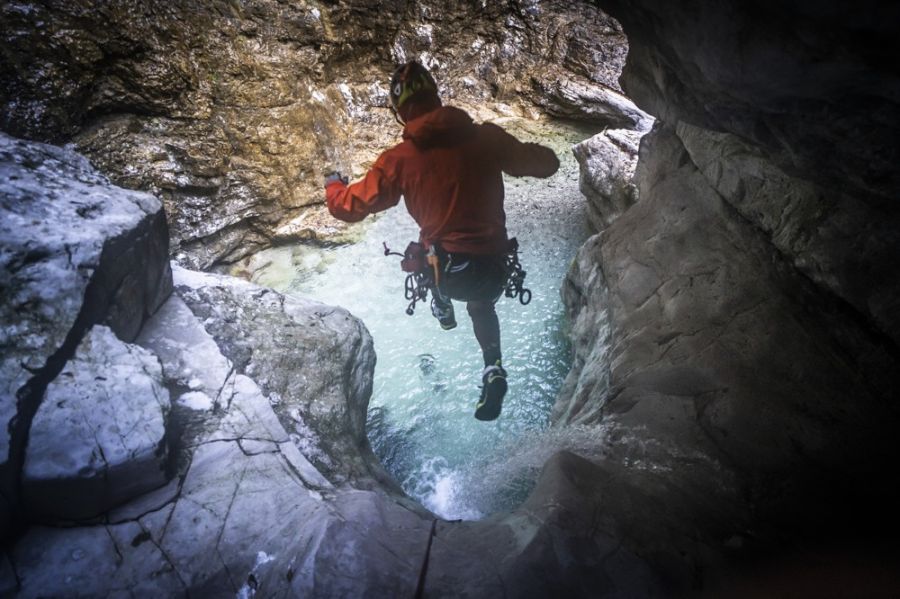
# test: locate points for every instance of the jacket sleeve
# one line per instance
(520, 159)
(377, 191)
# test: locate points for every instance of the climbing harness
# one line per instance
(416, 260)
(419, 278)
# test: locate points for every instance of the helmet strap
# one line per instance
(396, 114)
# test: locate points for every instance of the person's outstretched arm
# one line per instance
(377, 191)
(520, 159)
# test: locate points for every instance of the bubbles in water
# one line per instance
(438, 487)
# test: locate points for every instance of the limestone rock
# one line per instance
(847, 247)
(806, 82)
(191, 361)
(316, 225)
(723, 367)
(585, 296)
(607, 162)
(98, 438)
(248, 512)
(573, 99)
(268, 337)
(76, 251)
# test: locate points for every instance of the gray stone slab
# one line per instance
(111, 405)
(190, 358)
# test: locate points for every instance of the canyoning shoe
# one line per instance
(493, 389)
(444, 313)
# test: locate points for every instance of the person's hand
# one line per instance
(332, 176)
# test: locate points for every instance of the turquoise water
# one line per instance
(426, 384)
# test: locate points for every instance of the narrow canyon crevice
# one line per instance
(730, 410)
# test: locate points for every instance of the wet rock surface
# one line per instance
(267, 336)
(607, 162)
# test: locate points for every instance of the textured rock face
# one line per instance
(734, 330)
(811, 84)
(231, 111)
(76, 252)
(607, 162)
(266, 336)
(98, 437)
(847, 247)
(703, 352)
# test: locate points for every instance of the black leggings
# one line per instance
(477, 280)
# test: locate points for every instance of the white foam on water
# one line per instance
(439, 488)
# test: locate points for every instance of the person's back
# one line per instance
(450, 171)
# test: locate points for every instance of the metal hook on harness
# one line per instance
(418, 278)
(515, 275)
(389, 252)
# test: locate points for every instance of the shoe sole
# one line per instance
(493, 403)
(448, 327)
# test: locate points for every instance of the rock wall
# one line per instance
(813, 85)
(231, 111)
(734, 330)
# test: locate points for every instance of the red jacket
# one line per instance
(449, 170)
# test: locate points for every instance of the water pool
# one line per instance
(426, 383)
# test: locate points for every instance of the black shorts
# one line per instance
(472, 277)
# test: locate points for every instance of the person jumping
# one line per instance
(449, 170)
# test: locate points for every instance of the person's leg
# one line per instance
(487, 330)
(493, 377)
(478, 281)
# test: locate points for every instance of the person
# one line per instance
(449, 170)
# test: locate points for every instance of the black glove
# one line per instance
(333, 176)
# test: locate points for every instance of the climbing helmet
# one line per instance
(409, 80)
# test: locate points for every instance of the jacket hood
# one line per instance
(443, 126)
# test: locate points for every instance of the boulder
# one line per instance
(606, 162)
(267, 336)
(77, 251)
(98, 438)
